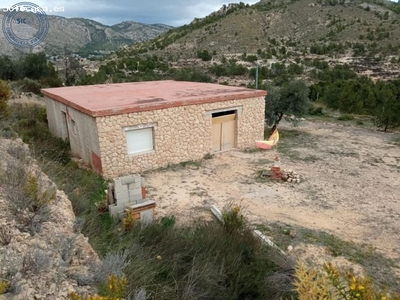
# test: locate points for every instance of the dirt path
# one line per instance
(350, 186)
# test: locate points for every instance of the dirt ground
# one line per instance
(350, 184)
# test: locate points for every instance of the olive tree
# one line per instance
(292, 98)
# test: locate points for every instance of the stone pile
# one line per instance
(290, 176)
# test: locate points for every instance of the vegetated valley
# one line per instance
(333, 66)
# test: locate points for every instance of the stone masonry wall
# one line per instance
(180, 134)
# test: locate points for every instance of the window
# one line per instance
(139, 140)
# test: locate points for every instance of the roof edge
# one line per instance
(149, 107)
(67, 102)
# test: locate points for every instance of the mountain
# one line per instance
(297, 25)
(85, 35)
(362, 33)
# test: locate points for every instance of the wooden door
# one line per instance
(223, 132)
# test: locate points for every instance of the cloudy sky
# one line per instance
(170, 12)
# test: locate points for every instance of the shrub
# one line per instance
(27, 85)
(233, 220)
(346, 117)
(129, 219)
(114, 289)
(5, 94)
(331, 283)
(201, 261)
(39, 199)
(36, 261)
(204, 55)
(113, 263)
(5, 235)
(168, 222)
(3, 287)
(316, 111)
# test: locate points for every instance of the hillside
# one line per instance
(363, 34)
(85, 35)
(296, 25)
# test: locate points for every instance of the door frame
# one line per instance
(236, 111)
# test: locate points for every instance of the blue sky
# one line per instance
(170, 12)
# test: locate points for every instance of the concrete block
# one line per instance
(115, 210)
(122, 195)
(135, 197)
(130, 179)
(129, 204)
(143, 203)
(119, 187)
(134, 185)
(123, 201)
(146, 216)
(122, 215)
(136, 191)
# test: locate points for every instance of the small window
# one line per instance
(139, 140)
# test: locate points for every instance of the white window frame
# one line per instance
(139, 128)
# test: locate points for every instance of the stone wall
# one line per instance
(180, 134)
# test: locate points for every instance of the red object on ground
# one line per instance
(276, 173)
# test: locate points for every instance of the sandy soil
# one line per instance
(350, 185)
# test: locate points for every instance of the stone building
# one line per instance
(127, 128)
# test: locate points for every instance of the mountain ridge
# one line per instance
(83, 35)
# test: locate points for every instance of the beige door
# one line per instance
(223, 132)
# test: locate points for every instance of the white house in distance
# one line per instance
(127, 128)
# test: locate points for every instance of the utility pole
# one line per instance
(256, 75)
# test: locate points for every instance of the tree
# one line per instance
(5, 93)
(204, 55)
(8, 68)
(292, 98)
(388, 106)
(34, 66)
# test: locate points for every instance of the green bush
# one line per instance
(204, 55)
(201, 261)
(316, 111)
(5, 94)
(346, 117)
(233, 220)
(27, 85)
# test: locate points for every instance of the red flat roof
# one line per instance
(120, 98)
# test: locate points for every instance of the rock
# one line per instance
(34, 262)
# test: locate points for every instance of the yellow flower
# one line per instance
(360, 287)
(384, 298)
(353, 286)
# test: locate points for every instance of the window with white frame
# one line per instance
(139, 139)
